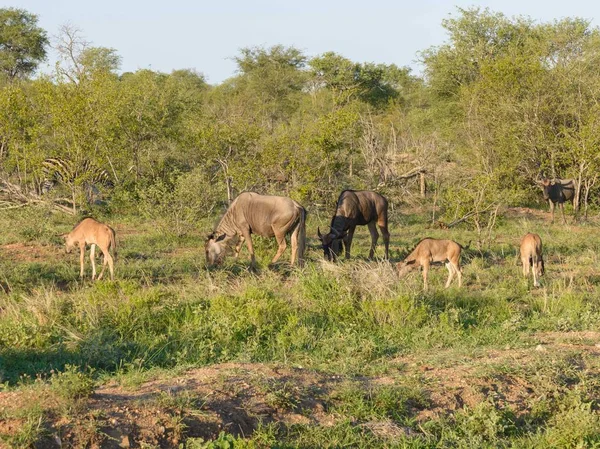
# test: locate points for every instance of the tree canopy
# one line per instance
(502, 102)
(22, 43)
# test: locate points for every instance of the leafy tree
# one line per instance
(22, 43)
(273, 77)
(375, 84)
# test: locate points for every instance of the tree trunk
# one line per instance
(422, 184)
(229, 189)
(577, 198)
(73, 195)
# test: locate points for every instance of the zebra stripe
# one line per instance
(64, 171)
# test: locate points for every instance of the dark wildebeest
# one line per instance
(558, 191)
(354, 208)
(531, 256)
(429, 251)
(267, 216)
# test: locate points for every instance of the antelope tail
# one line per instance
(467, 246)
(113, 243)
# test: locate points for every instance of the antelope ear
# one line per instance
(221, 237)
(210, 236)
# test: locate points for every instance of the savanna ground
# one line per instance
(173, 355)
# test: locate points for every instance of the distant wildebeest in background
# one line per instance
(558, 191)
(531, 256)
(430, 251)
(91, 232)
(267, 216)
(356, 208)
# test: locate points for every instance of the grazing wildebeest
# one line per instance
(431, 250)
(92, 232)
(558, 191)
(354, 208)
(267, 216)
(531, 256)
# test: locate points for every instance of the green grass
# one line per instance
(167, 312)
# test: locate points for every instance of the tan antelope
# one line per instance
(531, 256)
(267, 216)
(92, 232)
(429, 251)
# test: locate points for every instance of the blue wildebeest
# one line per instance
(356, 208)
(558, 191)
(531, 256)
(267, 216)
(429, 251)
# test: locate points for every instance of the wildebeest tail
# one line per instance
(301, 236)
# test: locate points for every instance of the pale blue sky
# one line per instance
(205, 35)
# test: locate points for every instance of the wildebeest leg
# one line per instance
(458, 273)
(534, 269)
(348, 241)
(374, 237)
(248, 239)
(450, 273)
(81, 259)
(238, 247)
(425, 271)
(562, 211)
(525, 262)
(280, 237)
(111, 265)
(551, 209)
(294, 242)
(386, 238)
(92, 258)
(107, 260)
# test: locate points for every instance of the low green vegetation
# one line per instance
(373, 336)
(176, 355)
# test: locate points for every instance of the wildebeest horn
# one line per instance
(319, 233)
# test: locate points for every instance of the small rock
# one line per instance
(125, 441)
(540, 348)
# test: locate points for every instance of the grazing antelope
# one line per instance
(354, 208)
(267, 216)
(431, 250)
(558, 191)
(531, 256)
(92, 232)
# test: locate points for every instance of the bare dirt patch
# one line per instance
(528, 213)
(23, 252)
(236, 397)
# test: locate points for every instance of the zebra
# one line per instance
(70, 173)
